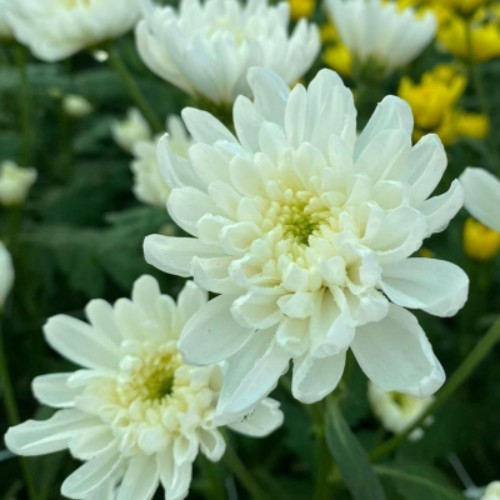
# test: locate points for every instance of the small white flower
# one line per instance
(135, 413)
(397, 411)
(76, 106)
(132, 130)
(482, 196)
(206, 49)
(380, 32)
(15, 183)
(306, 231)
(492, 491)
(56, 29)
(6, 274)
(5, 29)
(149, 186)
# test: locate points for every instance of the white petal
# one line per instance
(396, 355)
(439, 210)
(212, 444)
(53, 390)
(174, 255)
(92, 474)
(482, 196)
(191, 299)
(35, 437)
(212, 334)
(204, 127)
(252, 373)
(175, 478)
(141, 479)
(261, 421)
(81, 343)
(315, 378)
(101, 315)
(436, 286)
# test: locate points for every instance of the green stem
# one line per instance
(116, 62)
(12, 412)
(462, 373)
(27, 131)
(214, 479)
(238, 468)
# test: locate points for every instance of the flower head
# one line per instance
(482, 196)
(136, 414)
(131, 131)
(480, 242)
(397, 411)
(206, 49)
(6, 274)
(306, 232)
(56, 29)
(15, 183)
(380, 35)
(76, 106)
(492, 491)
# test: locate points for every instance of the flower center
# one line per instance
(148, 378)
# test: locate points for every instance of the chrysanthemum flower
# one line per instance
(149, 186)
(381, 35)
(482, 196)
(136, 414)
(307, 232)
(397, 411)
(206, 49)
(15, 183)
(6, 274)
(132, 130)
(56, 29)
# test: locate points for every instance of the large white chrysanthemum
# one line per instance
(56, 29)
(482, 196)
(307, 232)
(206, 49)
(135, 413)
(149, 186)
(380, 32)
(6, 274)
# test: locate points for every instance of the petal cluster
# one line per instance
(380, 33)
(306, 231)
(56, 29)
(206, 48)
(135, 413)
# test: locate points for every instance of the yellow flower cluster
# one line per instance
(335, 55)
(301, 8)
(434, 104)
(480, 242)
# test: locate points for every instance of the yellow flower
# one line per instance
(485, 39)
(301, 8)
(328, 34)
(480, 242)
(440, 11)
(465, 7)
(433, 97)
(338, 58)
(474, 125)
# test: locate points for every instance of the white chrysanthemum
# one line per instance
(306, 231)
(56, 29)
(206, 49)
(135, 413)
(131, 131)
(149, 186)
(482, 196)
(492, 491)
(6, 274)
(15, 183)
(380, 32)
(76, 106)
(5, 29)
(398, 411)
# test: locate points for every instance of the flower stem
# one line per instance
(27, 132)
(238, 468)
(462, 373)
(116, 62)
(12, 412)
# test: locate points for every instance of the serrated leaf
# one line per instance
(350, 457)
(415, 482)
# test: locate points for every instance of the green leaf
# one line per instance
(415, 482)
(350, 457)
